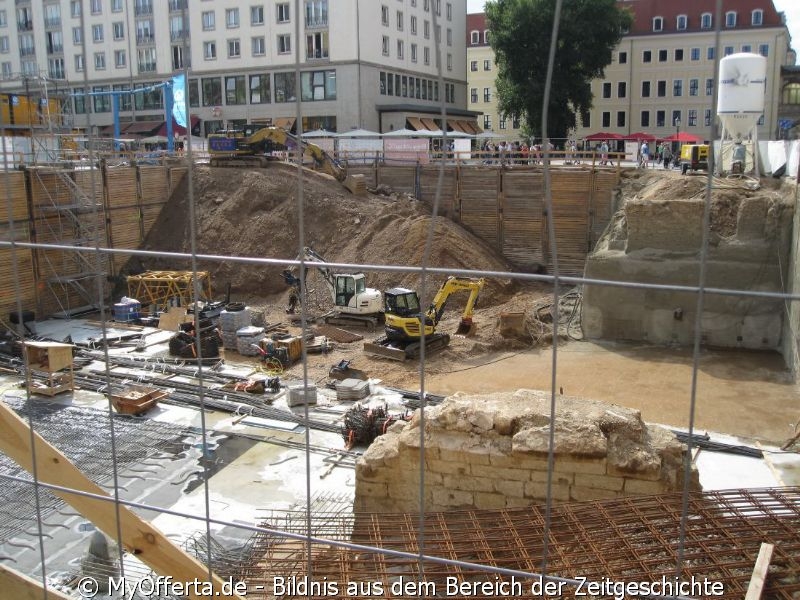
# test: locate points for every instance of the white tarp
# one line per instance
(776, 156)
(359, 150)
(793, 162)
(405, 151)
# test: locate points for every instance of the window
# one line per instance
(662, 56)
(474, 37)
(449, 37)
(258, 46)
(390, 87)
(77, 36)
(413, 25)
(120, 59)
(645, 89)
(661, 118)
(644, 119)
(473, 95)
(100, 61)
(487, 122)
(450, 63)
(259, 89)
(622, 89)
(706, 21)
(116, 6)
(210, 50)
(285, 87)
(661, 89)
(694, 87)
(426, 29)
(318, 85)
(316, 13)
(658, 23)
(405, 86)
(485, 36)
(209, 22)
(144, 31)
(791, 94)
(709, 86)
(682, 22)
(473, 65)
(676, 117)
(426, 5)
(426, 55)
(119, 30)
(212, 91)
(747, 48)
(728, 50)
(413, 53)
(647, 56)
(97, 7)
(177, 57)
(707, 117)
(501, 122)
(382, 79)
(606, 118)
(235, 91)
(621, 118)
(692, 115)
(26, 45)
(385, 16)
(487, 65)
(234, 48)
(763, 49)
(283, 12)
(284, 43)
(399, 20)
(97, 33)
(75, 8)
(449, 11)
(317, 45)
(677, 87)
(256, 15)
(385, 45)
(487, 94)
(52, 15)
(400, 49)
(730, 18)
(678, 54)
(101, 102)
(623, 58)
(125, 100)
(3, 18)
(147, 60)
(711, 52)
(55, 42)
(79, 62)
(694, 54)
(607, 89)
(232, 18)
(757, 17)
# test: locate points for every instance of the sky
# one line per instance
(790, 7)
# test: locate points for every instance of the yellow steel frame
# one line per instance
(158, 288)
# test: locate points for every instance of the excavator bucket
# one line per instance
(466, 327)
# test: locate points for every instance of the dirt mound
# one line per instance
(254, 213)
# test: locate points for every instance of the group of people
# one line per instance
(663, 155)
(511, 153)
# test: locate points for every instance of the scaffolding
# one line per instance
(161, 289)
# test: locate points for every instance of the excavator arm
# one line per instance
(322, 161)
(449, 287)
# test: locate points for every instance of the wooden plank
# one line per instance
(154, 184)
(176, 177)
(429, 181)
(400, 179)
(138, 536)
(49, 188)
(367, 171)
(21, 587)
(759, 572)
(16, 189)
(122, 187)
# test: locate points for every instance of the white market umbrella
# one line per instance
(403, 133)
(357, 133)
(318, 133)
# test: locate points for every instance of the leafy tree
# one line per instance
(520, 32)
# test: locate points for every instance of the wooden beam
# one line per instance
(21, 587)
(138, 536)
(759, 572)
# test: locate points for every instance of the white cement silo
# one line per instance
(741, 95)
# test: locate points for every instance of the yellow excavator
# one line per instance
(254, 148)
(406, 324)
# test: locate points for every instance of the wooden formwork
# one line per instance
(158, 288)
(400, 179)
(428, 184)
(524, 229)
(479, 203)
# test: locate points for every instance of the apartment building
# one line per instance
(661, 80)
(363, 63)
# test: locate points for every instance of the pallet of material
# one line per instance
(349, 390)
(137, 399)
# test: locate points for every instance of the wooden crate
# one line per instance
(136, 399)
(51, 360)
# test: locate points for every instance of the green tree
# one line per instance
(520, 32)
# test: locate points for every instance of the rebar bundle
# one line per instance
(363, 424)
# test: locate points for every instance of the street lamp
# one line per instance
(678, 132)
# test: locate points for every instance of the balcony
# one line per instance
(145, 39)
(143, 10)
(177, 5)
(27, 51)
(316, 22)
(147, 67)
(178, 34)
(25, 25)
(55, 49)
(56, 74)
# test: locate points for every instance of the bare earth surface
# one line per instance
(253, 213)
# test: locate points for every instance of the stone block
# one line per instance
(629, 458)
(538, 490)
(374, 489)
(518, 461)
(572, 437)
(639, 486)
(489, 501)
(500, 473)
(463, 457)
(541, 477)
(449, 468)
(468, 484)
(451, 498)
(510, 488)
(570, 464)
(599, 482)
(586, 494)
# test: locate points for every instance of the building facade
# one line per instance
(363, 63)
(661, 80)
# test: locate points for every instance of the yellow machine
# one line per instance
(238, 148)
(406, 324)
(694, 157)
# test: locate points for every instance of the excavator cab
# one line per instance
(348, 286)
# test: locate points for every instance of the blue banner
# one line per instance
(179, 100)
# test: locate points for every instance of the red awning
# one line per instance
(177, 129)
(430, 124)
(684, 137)
(641, 137)
(142, 127)
(603, 135)
(415, 123)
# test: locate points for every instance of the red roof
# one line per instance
(476, 22)
(645, 10)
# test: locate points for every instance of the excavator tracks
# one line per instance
(401, 351)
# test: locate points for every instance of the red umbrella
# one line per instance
(641, 137)
(601, 135)
(686, 138)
